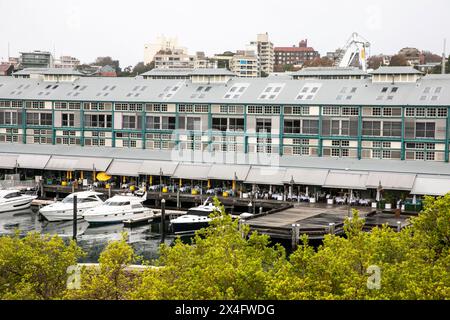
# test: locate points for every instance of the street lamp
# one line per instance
(160, 182)
(291, 186)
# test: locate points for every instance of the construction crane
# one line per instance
(356, 45)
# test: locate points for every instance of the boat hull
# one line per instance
(111, 218)
(18, 204)
(178, 227)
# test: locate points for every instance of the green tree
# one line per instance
(35, 267)
(224, 261)
(398, 60)
(111, 280)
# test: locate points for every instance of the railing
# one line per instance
(17, 184)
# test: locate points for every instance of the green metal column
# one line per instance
(177, 128)
(245, 130)
(280, 144)
(319, 151)
(82, 124)
(113, 132)
(402, 153)
(53, 124)
(359, 132)
(144, 125)
(24, 123)
(209, 128)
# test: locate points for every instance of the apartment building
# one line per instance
(245, 64)
(294, 55)
(36, 59)
(264, 49)
(67, 62)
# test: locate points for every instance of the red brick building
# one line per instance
(295, 55)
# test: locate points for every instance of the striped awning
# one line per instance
(192, 171)
(266, 175)
(346, 180)
(391, 180)
(153, 168)
(312, 177)
(228, 171)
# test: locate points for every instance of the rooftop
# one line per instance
(329, 71)
(48, 71)
(396, 70)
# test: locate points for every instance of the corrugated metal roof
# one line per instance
(367, 93)
(396, 70)
(330, 71)
(431, 185)
(48, 71)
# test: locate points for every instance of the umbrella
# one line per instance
(102, 176)
(379, 189)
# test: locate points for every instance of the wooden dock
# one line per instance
(143, 218)
(316, 220)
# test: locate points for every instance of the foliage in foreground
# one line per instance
(226, 261)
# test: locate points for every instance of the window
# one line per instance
(236, 124)
(98, 120)
(168, 123)
(153, 123)
(292, 126)
(310, 126)
(350, 111)
(263, 125)
(68, 120)
(371, 128)
(425, 129)
(220, 124)
(420, 112)
(442, 112)
(392, 129)
(410, 112)
(309, 91)
(335, 111)
(129, 122)
(193, 123)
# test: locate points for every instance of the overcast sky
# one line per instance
(87, 29)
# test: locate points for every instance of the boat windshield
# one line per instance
(117, 203)
(69, 199)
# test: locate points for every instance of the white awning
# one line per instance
(122, 167)
(266, 175)
(152, 168)
(33, 161)
(91, 164)
(312, 177)
(431, 185)
(391, 180)
(227, 172)
(192, 171)
(8, 161)
(62, 163)
(346, 180)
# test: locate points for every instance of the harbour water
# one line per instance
(92, 239)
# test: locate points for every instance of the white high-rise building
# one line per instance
(265, 52)
(162, 43)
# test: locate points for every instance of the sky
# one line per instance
(87, 29)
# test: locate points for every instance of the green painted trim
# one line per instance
(359, 132)
(281, 130)
(402, 153)
(447, 142)
(320, 144)
(245, 130)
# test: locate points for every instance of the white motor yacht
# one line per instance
(117, 209)
(63, 210)
(11, 200)
(194, 219)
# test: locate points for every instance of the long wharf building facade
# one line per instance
(390, 116)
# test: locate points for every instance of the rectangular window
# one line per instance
(371, 128)
(236, 124)
(168, 123)
(292, 126)
(68, 120)
(425, 129)
(128, 122)
(310, 126)
(220, 124)
(392, 129)
(263, 125)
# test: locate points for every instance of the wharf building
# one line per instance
(392, 128)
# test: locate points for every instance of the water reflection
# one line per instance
(92, 239)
